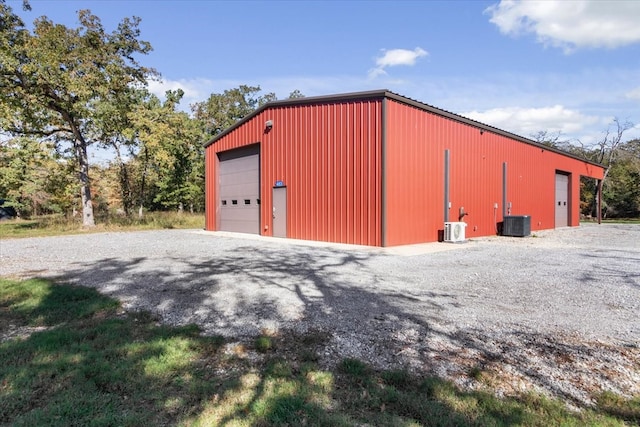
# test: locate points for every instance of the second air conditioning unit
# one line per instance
(454, 231)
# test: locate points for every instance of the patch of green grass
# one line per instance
(475, 372)
(354, 368)
(53, 225)
(392, 398)
(36, 303)
(626, 409)
(263, 344)
(397, 377)
(91, 364)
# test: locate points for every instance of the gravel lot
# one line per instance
(557, 312)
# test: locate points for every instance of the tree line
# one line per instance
(67, 89)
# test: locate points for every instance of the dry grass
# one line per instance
(55, 225)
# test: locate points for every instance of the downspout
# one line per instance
(504, 190)
(446, 185)
(599, 201)
(383, 174)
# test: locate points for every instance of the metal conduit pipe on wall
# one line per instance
(446, 185)
(504, 190)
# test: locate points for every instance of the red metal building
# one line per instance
(376, 168)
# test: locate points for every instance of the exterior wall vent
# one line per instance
(454, 232)
(516, 226)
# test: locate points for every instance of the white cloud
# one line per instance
(570, 24)
(199, 89)
(582, 119)
(528, 121)
(194, 89)
(634, 94)
(395, 57)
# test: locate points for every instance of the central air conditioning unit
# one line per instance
(517, 226)
(454, 231)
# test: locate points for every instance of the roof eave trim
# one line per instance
(385, 93)
(373, 94)
(483, 126)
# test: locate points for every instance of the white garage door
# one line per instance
(562, 200)
(239, 190)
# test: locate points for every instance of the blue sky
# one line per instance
(557, 66)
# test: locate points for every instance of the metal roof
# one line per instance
(385, 93)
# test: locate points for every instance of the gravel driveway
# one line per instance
(558, 312)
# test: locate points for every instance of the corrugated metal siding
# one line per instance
(328, 156)
(414, 176)
(416, 141)
(210, 192)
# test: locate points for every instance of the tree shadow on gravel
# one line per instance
(613, 265)
(256, 289)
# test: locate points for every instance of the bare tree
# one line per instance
(608, 148)
(548, 138)
(605, 152)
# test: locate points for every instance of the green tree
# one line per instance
(23, 174)
(33, 177)
(53, 78)
(113, 121)
(621, 191)
(171, 153)
(295, 94)
(222, 110)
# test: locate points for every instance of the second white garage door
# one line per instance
(562, 200)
